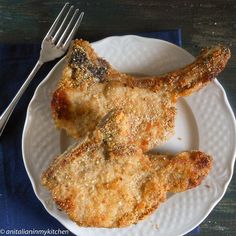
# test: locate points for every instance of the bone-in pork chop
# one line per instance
(90, 88)
(107, 182)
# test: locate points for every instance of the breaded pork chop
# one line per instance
(90, 88)
(107, 182)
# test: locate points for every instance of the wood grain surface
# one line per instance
(203, 23)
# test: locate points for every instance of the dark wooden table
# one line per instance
(202, 22)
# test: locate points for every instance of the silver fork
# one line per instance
(54, 45)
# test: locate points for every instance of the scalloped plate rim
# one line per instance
(134, 37)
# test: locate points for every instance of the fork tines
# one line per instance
(65, 26)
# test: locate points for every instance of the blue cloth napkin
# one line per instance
(19, 207)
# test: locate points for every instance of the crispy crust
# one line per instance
(60, 105)
(183, 171)
(90, 88)
(191, 78)
(109, 201)
(108, 182)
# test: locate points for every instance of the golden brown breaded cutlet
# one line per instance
(107, 181)
(90, 88)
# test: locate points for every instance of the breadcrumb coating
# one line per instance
(106, 181)
(90, 88)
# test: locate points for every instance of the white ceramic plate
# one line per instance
(205, 121)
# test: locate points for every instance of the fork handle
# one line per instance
(7, 113)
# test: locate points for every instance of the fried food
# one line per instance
(90, 88)
(107, 181)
